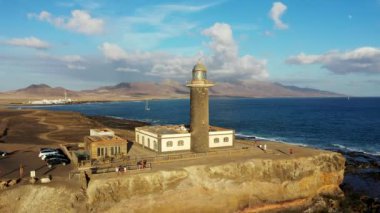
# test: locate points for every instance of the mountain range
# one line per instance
(165, 89)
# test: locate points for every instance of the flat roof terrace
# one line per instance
(105, 139)
(217, 128)
(175, 129)
(165, 130)
(102, 130)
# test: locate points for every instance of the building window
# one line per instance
(143, 140)
(216, 140)
(138, 138)
(100, 151)
(226, 139)
(148, 142)
(112, 151)
(169, 143)
(155, 145)
(118, 149)
(181, 143)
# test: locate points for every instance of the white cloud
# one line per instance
(277, 10)
(360, 60)
(80, 22)
(183, 8)
(150, 25)
(75, 67)
(224, 62)
(126, 69)
(72, 58)
(31, 42)
(113, 52)
(72, 62)
(268, 33)
(151, 63)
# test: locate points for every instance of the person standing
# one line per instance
(21, 170)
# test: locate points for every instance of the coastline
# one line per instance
(21, 101)
(357, 170)
(361, 167)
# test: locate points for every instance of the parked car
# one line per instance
(47, 149)
(3, 153)
(55, 161)
(49, 152)
(47, 157)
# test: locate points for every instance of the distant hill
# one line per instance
(165, 89)
(259, 89)
(39, 91)
(141, 89)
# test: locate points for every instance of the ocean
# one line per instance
(329, 123)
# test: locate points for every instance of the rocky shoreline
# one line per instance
(361, 183)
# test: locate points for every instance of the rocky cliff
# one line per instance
(250, 185)
(254, 185)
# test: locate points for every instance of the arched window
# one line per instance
(169, 143)
(181, 143)
(148, 142)
(155, 145)
(143, 140)
(216, 140)
(226, 139)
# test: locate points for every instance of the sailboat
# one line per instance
(147, 105)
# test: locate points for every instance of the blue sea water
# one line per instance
(329, 123)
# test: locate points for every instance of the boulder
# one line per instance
(13, 182)
(33, 180)
(3, 184)
(45, 180)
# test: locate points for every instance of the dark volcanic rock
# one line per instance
(118, 123)
(361, 184)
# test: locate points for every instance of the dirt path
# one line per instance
(4, 127)
(42, 120)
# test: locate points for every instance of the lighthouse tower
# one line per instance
(199, 109)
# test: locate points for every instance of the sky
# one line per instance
(331, 45)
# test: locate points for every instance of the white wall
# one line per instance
(175, 147)
(145, 143)
(185, 137)
(221, 135)
(95, 132)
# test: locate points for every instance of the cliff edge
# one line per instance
(249, 185)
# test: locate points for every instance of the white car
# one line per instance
(3, 153)
(59, 155)
(47, 152)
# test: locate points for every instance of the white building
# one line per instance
(178, 138)
(51, 102)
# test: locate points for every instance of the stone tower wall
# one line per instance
(199, 119)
